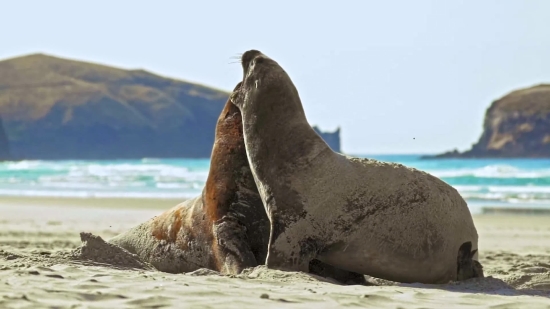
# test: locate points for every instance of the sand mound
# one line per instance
(95, 249)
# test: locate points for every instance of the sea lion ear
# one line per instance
(473, 253)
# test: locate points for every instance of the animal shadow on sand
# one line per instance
(534, 280)
(515, 276)
(488, 285)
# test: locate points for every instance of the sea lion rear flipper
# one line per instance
(464, 252)
(467, 267)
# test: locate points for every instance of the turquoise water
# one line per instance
(515, 182)
(494, 182)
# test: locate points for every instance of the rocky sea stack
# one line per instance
(515, 126)
(54, 108)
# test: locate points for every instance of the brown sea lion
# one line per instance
(380, 219)
(226, 228)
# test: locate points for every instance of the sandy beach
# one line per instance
(37, 234)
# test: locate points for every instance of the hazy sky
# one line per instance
(385, 71)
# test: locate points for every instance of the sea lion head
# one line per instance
(467, 267)
(255, 67)
(265, 82)
(248, 57)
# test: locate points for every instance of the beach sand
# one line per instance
(37, 234)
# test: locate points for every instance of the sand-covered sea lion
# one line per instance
(380, 219)
(226, 228)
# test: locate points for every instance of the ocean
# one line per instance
(494, 182)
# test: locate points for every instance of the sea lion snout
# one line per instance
(234, 97)
(256, 65)
(248, 56)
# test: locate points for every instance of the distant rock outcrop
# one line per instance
(54, 108)
(515, 126)
(331, 138)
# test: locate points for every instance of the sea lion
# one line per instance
(226, 228)
(380, 219)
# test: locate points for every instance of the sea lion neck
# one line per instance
(272, 115)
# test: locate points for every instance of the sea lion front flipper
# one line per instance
(287, 250)
(232, 249)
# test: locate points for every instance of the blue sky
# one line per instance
(385, 71)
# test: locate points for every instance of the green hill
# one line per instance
(54, 108)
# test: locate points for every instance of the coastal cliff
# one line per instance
(54, 108)
(515, 126)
